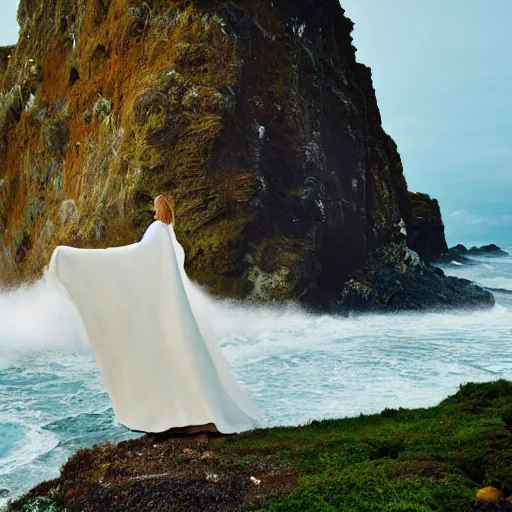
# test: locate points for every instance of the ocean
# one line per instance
(297, 367)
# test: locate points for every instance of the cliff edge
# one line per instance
(401, 460)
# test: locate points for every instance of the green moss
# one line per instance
(220, 240)
(425, 209)
(280, 269)
(42, 504)
(393, 254)
(268, 286)
(90, 145)
(360, 288)
(34, 209)
(7, 195)
(101, 108)
(87, 116)
(191, 99)
(55, 135)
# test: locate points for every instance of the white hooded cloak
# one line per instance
(148, 328)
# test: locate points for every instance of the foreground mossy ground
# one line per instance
(397, 461)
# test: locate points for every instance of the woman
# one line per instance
(159, 358)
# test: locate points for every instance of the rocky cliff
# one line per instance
(426, 230)
(254, 115)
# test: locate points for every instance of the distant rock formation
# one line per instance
(426, 230)
(254, 115)
(460, 253)
(487, 250)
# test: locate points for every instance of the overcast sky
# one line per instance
(442, 70)
(443, 73)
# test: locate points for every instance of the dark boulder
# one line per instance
(387, 286)
(461, 249)
(389, 290)
(457, 254)
(487, 250)
(460, 253)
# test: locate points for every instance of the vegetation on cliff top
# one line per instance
(397, 461)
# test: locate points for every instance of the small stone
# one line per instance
(489, 495)
(4, 493)
(68, 211)
(255, 481)
(98, 230)
(212, 477)
(191, 453)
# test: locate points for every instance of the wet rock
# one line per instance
(461, 249)
(389, 290)
(460, 253)
(457, 254)
(389, 285)
(487, 250)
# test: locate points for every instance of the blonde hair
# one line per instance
(164, 210)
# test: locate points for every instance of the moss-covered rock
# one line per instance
(397, 461)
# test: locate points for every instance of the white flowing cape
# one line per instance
(148, 328)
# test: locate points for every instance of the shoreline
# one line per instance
(416, 458)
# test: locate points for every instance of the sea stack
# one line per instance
(254, 115)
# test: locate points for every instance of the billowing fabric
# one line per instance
(148, 328)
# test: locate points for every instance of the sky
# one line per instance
(8, 24)
(443, 72)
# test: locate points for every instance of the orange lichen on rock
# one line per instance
(489, 494)
(55, 84)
